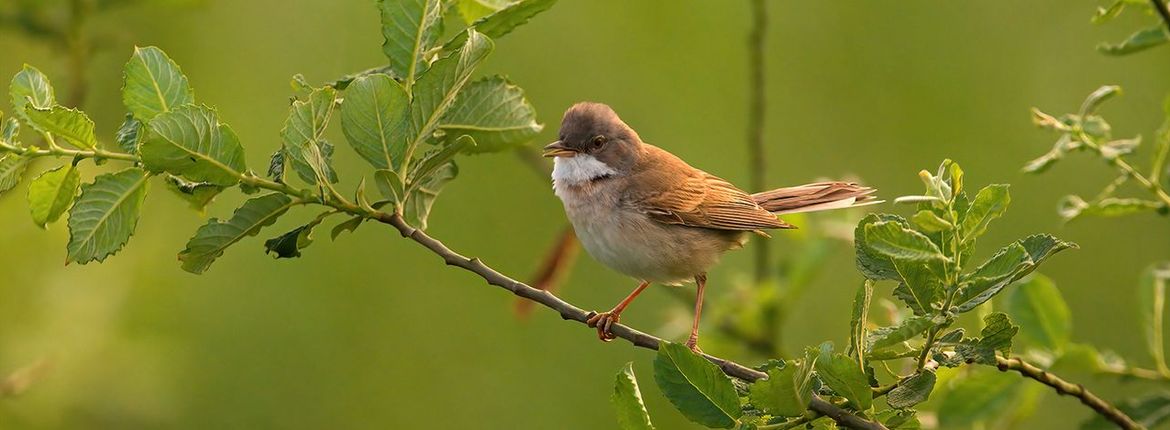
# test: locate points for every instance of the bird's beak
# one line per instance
(558, 149)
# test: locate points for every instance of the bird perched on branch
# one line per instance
(648, 214)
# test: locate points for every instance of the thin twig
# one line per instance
(1063, 387)
(1160, 6)
(756, 105)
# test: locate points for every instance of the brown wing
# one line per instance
(672, 192)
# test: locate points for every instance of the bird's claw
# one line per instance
(603, 321)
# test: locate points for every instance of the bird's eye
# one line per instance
(598, 141)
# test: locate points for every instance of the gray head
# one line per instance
(594, 129)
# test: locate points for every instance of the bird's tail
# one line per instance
(820, 196)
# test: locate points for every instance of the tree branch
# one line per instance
(1063, 387)
(1160, 6)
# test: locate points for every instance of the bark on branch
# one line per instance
(1063, 387)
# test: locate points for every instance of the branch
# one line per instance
(1160, 6)
(1063, 387)
(756, 105)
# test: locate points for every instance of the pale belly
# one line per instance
(629, 242)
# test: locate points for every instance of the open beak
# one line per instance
(558, 149)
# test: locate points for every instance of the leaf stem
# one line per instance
(1063, 387)
(57, 151)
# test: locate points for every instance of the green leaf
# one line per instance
(914, 390)
(1043, 316)
(105, 215)
(495, 113)
(129, 134)
(9, 129)
(696, 386)
(191, 142)
(153, 84)
(69, 124)
(390, 185)
(872, 264)
(891, 239)
(436, 89)
(627, 400)
(433, 160)
(507, 19)
(1042, 246)
(1107, 208)
(348, 225)
(1097, 97)
(786, 392)
(981, 396)
(895, 419)
(374, 119)
(991, 202)
(845, 377)
(858, 321)
(908, 329)
(410, 28)
(52, 193)
(472, 10)
(1141, 40)
(12, 168)
(997, 335)
(290, 244)
(929, 222)
(276, 166)
(418, 204)
(303, 136)
(1152, 299)
(213, 238)
(992, 276)
(197, 194)
(920, 288)
(30, 87)
(1149, 410)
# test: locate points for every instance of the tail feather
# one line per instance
(815, 197)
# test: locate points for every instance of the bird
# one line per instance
(647, 214)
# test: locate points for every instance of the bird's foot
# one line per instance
(693, 344)
(604, 321)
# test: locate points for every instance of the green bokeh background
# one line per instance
(371, 331)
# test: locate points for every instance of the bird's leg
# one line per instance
(605, 320)
(693, 341)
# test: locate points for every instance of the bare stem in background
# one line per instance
(1160, 6)
(1063, 387)
(757, 164)
(78, 46)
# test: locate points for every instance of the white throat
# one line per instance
(579, 169)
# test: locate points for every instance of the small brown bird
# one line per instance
(648, 214)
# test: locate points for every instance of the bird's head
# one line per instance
(594, 131)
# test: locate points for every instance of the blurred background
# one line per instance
(370, 331)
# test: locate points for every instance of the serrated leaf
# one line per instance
(409, 29)
(30, 87)
(978, 397)
(303, 136)
(276, 166)
(153, 84)
(12, 168)
(129, 133)
(514, 15)
(928, 221)
(1139, 41)
(919, 288)
(418, 205)
(991, 203)
(495, 113)
(997, 335)
(1042, 313)
(191, 142)
(846, 378)
(1149, 411)
(436, 90)
(105, 215)
(785, 393)
(71, 125)
(873, 265)
(696, 386)
(213, 238)
(992, 276)
(1152, 307)
(908, 329)
(914, 390)
(52, 193)
(374, 119)
(437, 158)
(627, 400)
(197, 194)
(900, 244)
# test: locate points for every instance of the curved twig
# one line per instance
(1063, 387)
